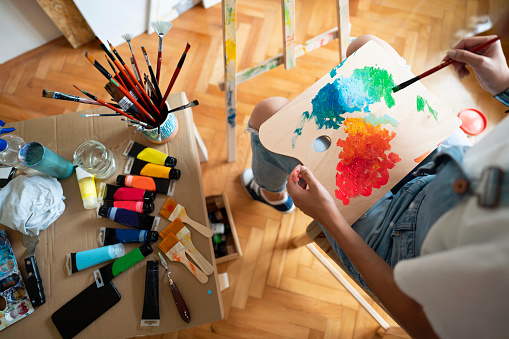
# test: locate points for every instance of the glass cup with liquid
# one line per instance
(96, 159)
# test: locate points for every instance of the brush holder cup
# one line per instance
(38, 157)
(169, 129)
(96, 159)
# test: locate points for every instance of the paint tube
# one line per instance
(159, 185)
(130, 218)
(87, 188)
(137, 166)
(79, 261)
(110, 236)
(111, 270)
(150, 315)
(136, 206)
(117, 193)
(149, 154)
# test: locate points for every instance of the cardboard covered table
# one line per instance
(77, 230)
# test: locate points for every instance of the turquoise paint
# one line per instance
(356, 93)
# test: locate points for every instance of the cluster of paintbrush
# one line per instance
(177, 240)
(139, 99)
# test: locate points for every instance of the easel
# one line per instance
(290, 53)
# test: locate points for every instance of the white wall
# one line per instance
(23, 27)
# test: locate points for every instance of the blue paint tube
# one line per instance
(130, 218)
(79, 261)
(110, 236)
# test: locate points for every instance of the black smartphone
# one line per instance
(6, 174)
(84, 308)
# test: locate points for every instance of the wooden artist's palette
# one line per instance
(376, 136)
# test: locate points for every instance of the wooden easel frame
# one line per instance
(288, 57)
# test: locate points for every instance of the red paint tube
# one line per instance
(135, 206)
(117, 193)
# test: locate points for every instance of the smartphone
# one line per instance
(6, 174)
(84, 309)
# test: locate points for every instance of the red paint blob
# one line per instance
(363, 164)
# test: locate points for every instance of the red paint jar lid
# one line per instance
(473, 121)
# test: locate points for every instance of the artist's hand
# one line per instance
(311, 197)
(489, 64)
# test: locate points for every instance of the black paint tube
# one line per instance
(150, 315)
(110, 236)
(135, 206)
(159, 185)
(130, 218)
(118, 193)
(149, 154)
(140, 167)
(110, 271)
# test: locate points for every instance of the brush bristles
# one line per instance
(89, 57)
(174, 228)
(127, 37)
(144, 49)
(168, 243)
(161, 27)
(47, 93)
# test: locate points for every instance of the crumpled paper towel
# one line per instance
(31, 203)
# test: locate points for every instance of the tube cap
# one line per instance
(148, 207)
(152, 236)
(146, 249)
(121, 180)
(170, 162)
(103, 211)
(174, 174)
(3, 145)
(149, 196)
(152, 265)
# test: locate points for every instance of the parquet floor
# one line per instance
(276, 291)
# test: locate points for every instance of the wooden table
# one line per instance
(77, 230)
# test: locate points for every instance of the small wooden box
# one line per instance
(219, 205)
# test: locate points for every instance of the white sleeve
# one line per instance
(464, 291)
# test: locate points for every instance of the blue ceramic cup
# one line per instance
(36, 156)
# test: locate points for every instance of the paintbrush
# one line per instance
(439, 67)
(103, 102)
(184, 236)
(143, 97)
(117, 74)
(152, 76)
(140, 108)
(174, 76)
(124, 102)
(175, 251)
(68, 97)
(172, 210)
(100, 115)
(191, 104)
(179, 301)
(161, 28)
(136, 122)
(128, 37)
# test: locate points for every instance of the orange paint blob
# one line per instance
(365, 159)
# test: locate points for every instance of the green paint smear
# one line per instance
(356, 93)
(422, 103)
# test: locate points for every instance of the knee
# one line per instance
(359, 42)
(265, 109)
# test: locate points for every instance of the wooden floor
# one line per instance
(276, 291)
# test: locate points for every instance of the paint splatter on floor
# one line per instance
(421, 103)
(356, 93)
(365, 159)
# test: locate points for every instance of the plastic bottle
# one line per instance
(87, 188)
(9, 149)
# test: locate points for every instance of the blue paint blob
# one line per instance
(209, 292)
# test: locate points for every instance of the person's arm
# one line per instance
(489, 64)
(314, 200)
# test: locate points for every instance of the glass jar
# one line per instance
(96, 159)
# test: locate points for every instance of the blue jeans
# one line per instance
(396, 226)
